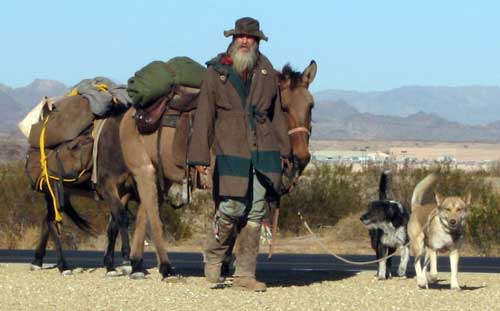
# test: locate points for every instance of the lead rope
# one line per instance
(358, 263)
(323, 246)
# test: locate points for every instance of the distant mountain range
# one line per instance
(338, 120)
(28, 96)
(471, 105)
(408, 113)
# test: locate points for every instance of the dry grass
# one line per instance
(331, 198)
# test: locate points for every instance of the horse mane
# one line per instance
(295, 77)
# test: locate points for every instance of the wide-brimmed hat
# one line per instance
(246, 26)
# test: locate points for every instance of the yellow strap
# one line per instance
(69, 179)
(45, 172)
(103, 87)
(73, 92)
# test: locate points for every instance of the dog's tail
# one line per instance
(384, 185)
(423, 193)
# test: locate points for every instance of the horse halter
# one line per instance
(299, 130)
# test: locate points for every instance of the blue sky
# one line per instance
(359, 45)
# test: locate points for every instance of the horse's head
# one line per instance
(298, 103)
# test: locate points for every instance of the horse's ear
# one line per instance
(310, 72)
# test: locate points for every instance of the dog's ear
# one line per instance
(439, 198)
(398, 217)
(467, 198)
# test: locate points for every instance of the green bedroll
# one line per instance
(158, 78)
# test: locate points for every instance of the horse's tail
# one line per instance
(78, 220)
(384, 185)
(423, 193)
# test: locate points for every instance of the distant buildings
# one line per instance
(363, 156)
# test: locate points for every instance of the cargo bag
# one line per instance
(69, 117)
(69, 161)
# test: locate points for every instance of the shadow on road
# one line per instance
(301, 278)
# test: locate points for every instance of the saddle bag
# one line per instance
(70, 160)
(149, 119)
(69, 117)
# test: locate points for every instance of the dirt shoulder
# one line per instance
(21, 289)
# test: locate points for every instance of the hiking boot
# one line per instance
(219, 241)
(249, 283)
(246, 258)
(213, 273)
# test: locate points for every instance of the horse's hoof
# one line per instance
(126, 269)
(138, 276)
(113, 273)
(218, 286)
(67, 272)
(78, 270)
(35, 267)
(49, 266)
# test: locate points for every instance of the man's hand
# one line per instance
(201, 169)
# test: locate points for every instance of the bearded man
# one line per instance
(240, 116)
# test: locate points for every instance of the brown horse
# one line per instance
(114, 186)
(141, 158)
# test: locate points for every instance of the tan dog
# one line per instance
(436, 223)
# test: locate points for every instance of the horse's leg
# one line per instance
(137, 249)
(55, 234)
(110, 249)
(42, 245)
(118, 223)
(56, 237)
(123, 224)
(148, 192)
(138, 159)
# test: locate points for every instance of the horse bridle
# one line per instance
(299, 130)
(296, 173)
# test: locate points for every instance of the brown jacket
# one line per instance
(245, 130)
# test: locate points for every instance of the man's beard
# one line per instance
(243, 61)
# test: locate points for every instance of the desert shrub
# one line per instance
(21, 207)
(175, 226)
(325, 194)
(483, 223)
(23, 210)
(328, 193)
(493, 169)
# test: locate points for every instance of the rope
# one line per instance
(323, 246)
(46, 177)
(45, 172)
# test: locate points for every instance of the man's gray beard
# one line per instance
(243, 61)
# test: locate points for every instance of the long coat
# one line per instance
(245, 128)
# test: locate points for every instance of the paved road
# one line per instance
(191, 263)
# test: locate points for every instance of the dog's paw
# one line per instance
(431, 278)
(422, 283)
(402, 272)
(455, 286)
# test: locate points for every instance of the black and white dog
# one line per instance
(387, 222)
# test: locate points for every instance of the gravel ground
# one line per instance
(21, 289)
